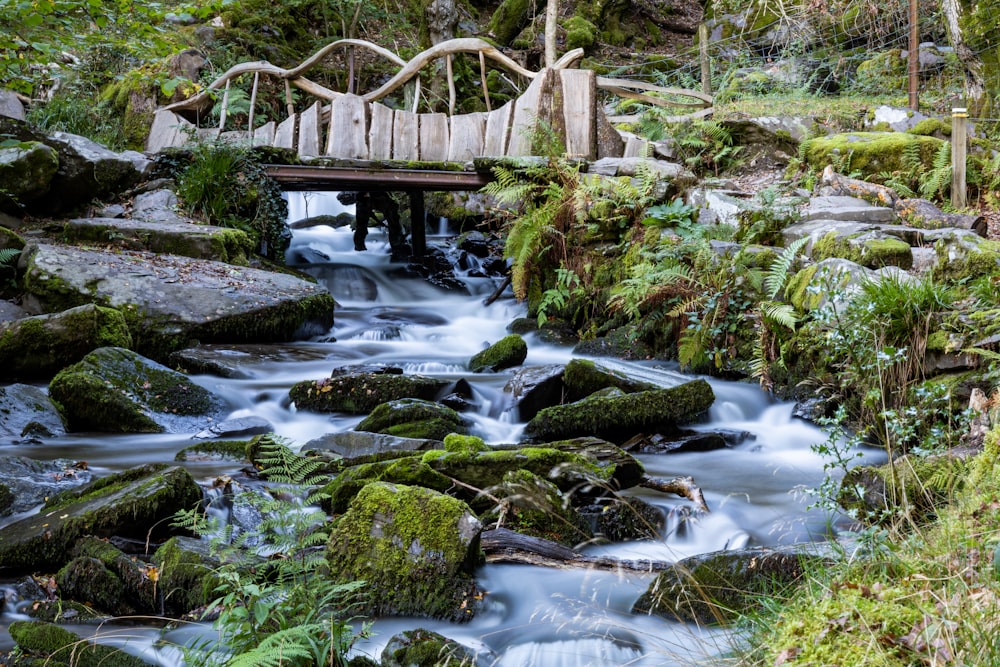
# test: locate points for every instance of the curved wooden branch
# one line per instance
(612, 84)
(322, 53)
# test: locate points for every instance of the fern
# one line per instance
(777, 273)
(937, 181)
(8, 255)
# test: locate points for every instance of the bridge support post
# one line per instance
(418, 223)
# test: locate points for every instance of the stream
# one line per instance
(532, 617)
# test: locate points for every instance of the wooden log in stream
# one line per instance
(502, 545)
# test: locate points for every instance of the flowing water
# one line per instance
(532, 616)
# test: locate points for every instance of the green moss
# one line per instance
(231, 450)
(961, 262)
(187, 578)
(868, 153)
(47, 640)
(6, 498)
(532, 505)
(363, 392)
(580, 33)
(413, 418)
(86, 579)
(421, 558)
(931, 127)
(583, 377)
(872, 253)
(507, 352)
(938, 341)
(453, 442)
(409, 470)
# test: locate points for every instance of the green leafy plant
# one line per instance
(277, 605)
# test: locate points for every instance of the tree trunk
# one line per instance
(551, 26)
(975, 85)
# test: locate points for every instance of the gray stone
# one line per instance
(10, 105)
(924, 260)
(846, 208)
(111, 211)
(173, 236)
(534, 388)
(26, 411)
(87, 171)
(238, 427)
(157, 206)
(30, 482)
(818, 228)
(26, 174)
(11, 311)
(898, 118)
(352, 444)
(239, 361)
(170, 300)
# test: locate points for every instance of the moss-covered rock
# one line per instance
(58, 646)
(135, 582)
(137, 503)
(720, 587)
(215, 450)
(408, 470)
(617, 418)
(873, 251)
(360, 393)
(413, 418)
(963, 257)
(471, 444)
(869, 153)
(911, 486)
(6, 498)
(510, 19)
(424, 648)
(534, 506)
(26, 173)
(118, 391)
(583, 377)
(629, 519)
(187, 577)
(507, 352)
(38, 347)
(416, 549)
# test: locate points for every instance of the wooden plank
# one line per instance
(264, 135)
(636, 147)
(434, 137)
(284, 136)
(579, 94)
(530, 109)
(309, 131)
(498, 130)
(348, 135)
(405, 136)
(468, 137)
(168, 130)
(380, 132)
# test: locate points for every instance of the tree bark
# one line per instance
(551, 26)
(975, 83)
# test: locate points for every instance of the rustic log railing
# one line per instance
(346, 125)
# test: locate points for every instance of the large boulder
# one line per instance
(532, 505)
(38, 347)
(169, 300)
(533, 388)
(182, 237)
(103, 576)
(583, 377)
(89, 171)
(619, 417)
(137, 503)
(425, 648)
(870, 153)
(721, 586)
(413, 418)
(27, 411)
(26, 173)
(187, 574)
(114, 390)
(416, 549)
(360, 393)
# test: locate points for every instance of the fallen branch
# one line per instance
(504, 284)
(681, 486)
(502, 545)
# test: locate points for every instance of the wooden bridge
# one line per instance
(360, 127)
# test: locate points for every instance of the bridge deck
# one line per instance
(375, 176)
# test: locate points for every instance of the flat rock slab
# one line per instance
(177, 238)
(168, 300)
(846, 208)
(818, 228)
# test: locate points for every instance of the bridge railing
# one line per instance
(347, 125)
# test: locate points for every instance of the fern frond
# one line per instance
(779, 313)
(8, 255)
(777, 273)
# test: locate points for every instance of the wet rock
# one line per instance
(360, 393)
(342, 219)
(619, 343)
(239, 427)
(179, 237)
(413, 418)
(874, 494)
(583, 377)
(353, 444)
(416, 549)
(103, 576)
(617, 418)
(187, 574)
(534, 388)
(215, 450)
(238, 361)
(168, 300)
(406, 470)
(118, 391)
(625, 519)
(924, 214)
(26, 412)
(137, 503)
(424, 648)
(686, 441)
(29, 482)
(507, 352)
(38, 347)
(55, 645)
(719, 587)
(532, 505)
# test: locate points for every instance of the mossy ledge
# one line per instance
(57, 646)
